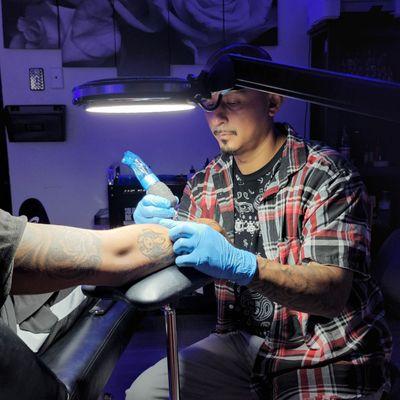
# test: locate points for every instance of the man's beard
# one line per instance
(227, 152)
(225, 147)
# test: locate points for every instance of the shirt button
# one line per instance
(231, 306)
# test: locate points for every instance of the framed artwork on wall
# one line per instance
(89, 37)
(84, 30)
(187, 32)
(29, 24)
(139, 37)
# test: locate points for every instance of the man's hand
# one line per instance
(201, 247)
(152, 208)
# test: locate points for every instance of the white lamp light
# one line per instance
(139, 108)
(134, 95)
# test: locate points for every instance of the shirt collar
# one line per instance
(294, 154)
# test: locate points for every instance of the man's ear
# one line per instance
(275, 102)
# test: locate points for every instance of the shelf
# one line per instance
(365, 44)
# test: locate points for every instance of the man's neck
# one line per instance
(255, 159)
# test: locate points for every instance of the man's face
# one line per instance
(241, 121)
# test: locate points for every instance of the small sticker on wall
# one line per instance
(36, 79)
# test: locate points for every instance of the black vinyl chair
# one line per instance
(84, 358)
(78, 365)
(22, 374)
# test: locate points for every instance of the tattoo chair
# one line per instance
(160, 290)
(78, 365)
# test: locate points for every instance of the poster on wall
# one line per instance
(145, 44)
(157, 34)
(89, 37)
(139, 37)
(29, 24)
(84, 30)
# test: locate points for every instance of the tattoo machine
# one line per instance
(147, 178)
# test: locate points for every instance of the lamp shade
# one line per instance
(134, 95)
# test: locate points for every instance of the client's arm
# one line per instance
(52, 257)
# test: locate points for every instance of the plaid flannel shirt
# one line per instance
(315, 208)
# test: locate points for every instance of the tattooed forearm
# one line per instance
(146, 249)
(313, 288)
(51, 257)
(156, 246)
(59, 252)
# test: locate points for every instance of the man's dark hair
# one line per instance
(244, 49)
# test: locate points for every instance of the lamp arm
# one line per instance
(361, 95)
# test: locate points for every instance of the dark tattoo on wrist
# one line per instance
(155, 246)
(59, 252)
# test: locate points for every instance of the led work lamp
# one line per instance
(361, 95)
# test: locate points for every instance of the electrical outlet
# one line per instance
(56, 78)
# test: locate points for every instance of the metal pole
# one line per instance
(172, 352)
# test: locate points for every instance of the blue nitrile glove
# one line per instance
(201, 247)
(152, 208)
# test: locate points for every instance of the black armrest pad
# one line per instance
(162, 287)
(84, 358)
(165, 287)
(23, 375)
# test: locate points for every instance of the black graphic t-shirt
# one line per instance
(254, 310)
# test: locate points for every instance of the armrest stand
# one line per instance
(172, 351)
